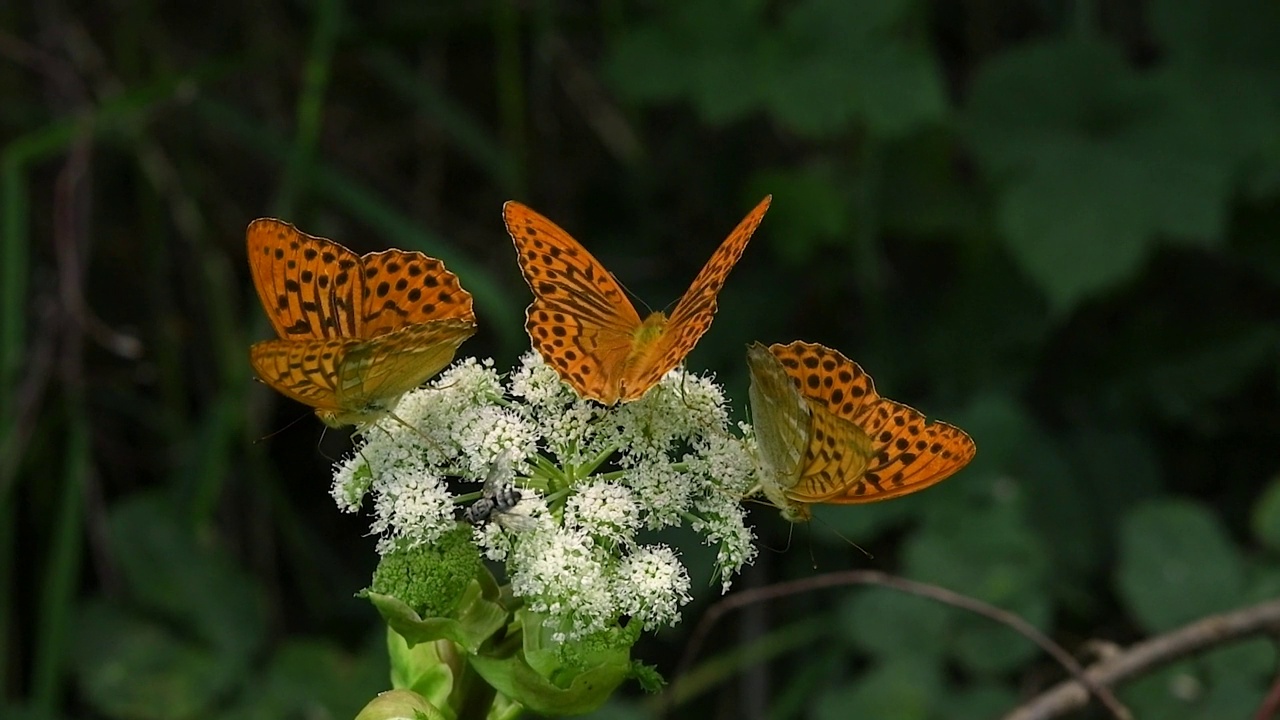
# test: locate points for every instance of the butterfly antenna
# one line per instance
(841, 535)
(277, 431)
(320, 441)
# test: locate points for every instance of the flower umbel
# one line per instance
(590, 481)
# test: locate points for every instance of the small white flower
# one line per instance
(562, 574)
(589, 478)
(604, 510)
(664, 492)
(652, 586)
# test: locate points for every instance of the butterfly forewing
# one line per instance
(580, 321)
(308, 285)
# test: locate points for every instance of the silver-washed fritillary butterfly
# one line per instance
(582, 323)
(824, 436)
(356, 332)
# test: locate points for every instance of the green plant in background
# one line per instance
(1053, 223)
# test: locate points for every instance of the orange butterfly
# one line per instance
(824, 436)
(356, 332)
(583, 324)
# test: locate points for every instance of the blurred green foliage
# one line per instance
(1056, 225)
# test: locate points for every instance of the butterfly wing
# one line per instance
(302, 370)
(697, 307)
(309, 286)
(807, 454)
(375, 373)
(402, 288)
(580, 321)
(780, 417)
(909, 454)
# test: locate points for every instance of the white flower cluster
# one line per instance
(589, 479)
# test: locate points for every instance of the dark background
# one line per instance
(1054, 224)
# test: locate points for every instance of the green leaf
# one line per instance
(903, 689)
(989, 649)
(808, 214)
(890, 623)
(991, 555)
(551, 676)
(824, 65)
(1098, 164)
(194, 584)
(130, 667)
(980, 701)
(308, 676)
(421, 668)
(1265, 519)
(475, 619)
(1176, 564)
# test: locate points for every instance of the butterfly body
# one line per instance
(582, 324)
(825, 436)
(355, 332)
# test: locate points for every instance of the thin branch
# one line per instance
(1151, 654)
(925, 590)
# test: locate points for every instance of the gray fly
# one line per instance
(499, 498)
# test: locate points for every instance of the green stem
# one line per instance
(595, 462)
(475, 696)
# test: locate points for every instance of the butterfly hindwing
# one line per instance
(392, 364)
(302, 370)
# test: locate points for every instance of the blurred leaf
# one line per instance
(1266, 517)
(1098, 162)
(924, 192)
(902, 689)
(1169, 692)
(989, 649)
(888, 623)
(1064, 516)
(1182, 691)
(808, 213)
(169, 572)
(314, 677)
(1176, 564)
(420, 668)
(1250, 661)
(1184, 383)
(994, 556)
(133, 668)
(619, 709)
(824, 65)
(978, 701)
